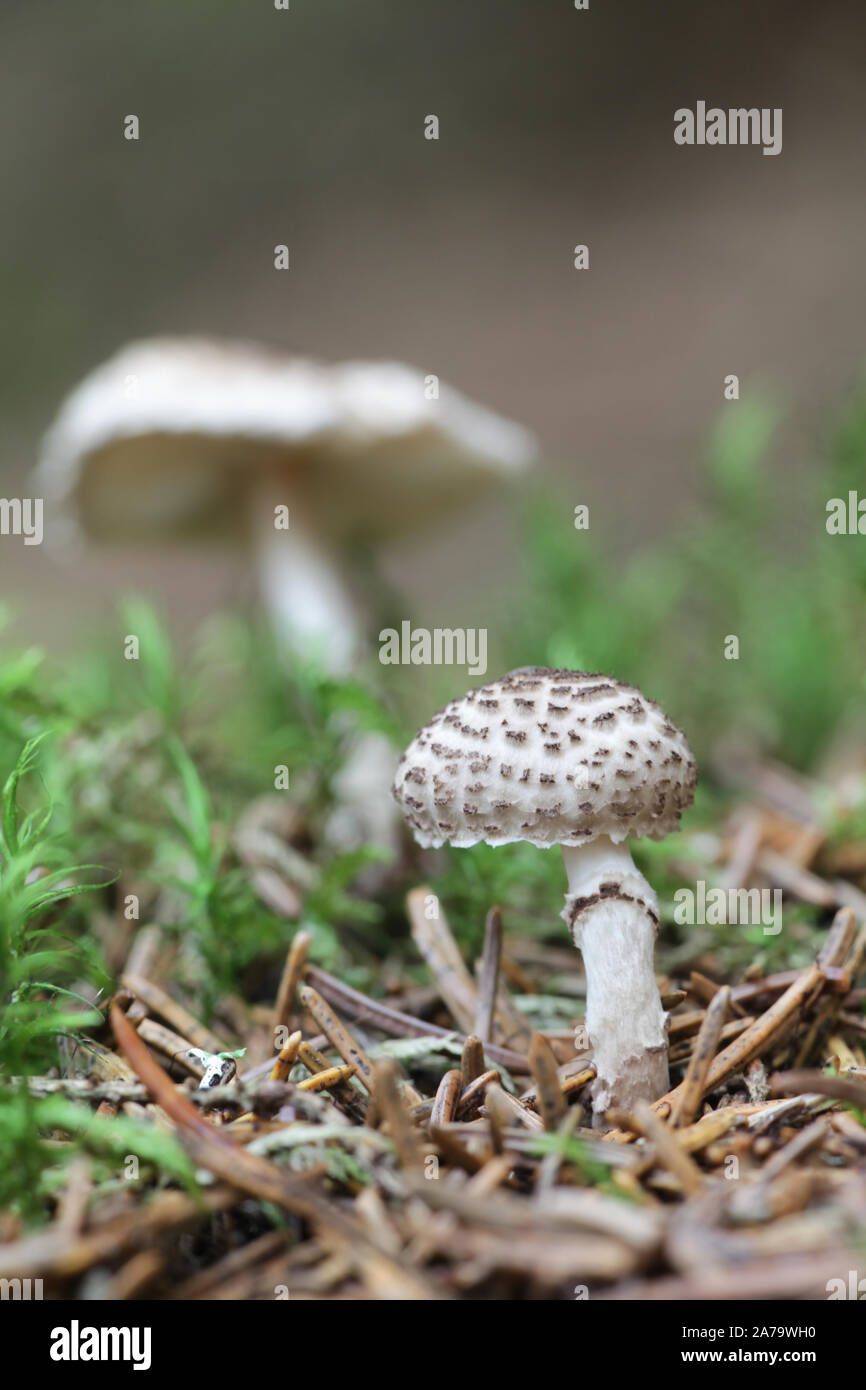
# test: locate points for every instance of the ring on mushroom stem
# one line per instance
(584, 762)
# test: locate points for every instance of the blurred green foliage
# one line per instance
(47, 957)
(660, 618)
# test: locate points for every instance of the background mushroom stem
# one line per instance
(312, 613)
(612, 913)
(309, 602)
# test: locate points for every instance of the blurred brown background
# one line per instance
(306, 127)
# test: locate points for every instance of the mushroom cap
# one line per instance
(552, 757)
(163, 433)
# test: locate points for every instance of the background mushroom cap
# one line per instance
(552, 757)
(163, 433)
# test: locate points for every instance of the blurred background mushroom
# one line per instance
(304, 460)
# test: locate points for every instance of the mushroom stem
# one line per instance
(613, 915)
(308, 601)
(312, 612)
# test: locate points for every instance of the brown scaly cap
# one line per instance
(552, 757)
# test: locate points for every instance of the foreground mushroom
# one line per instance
(584, 762)
(180, 436)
